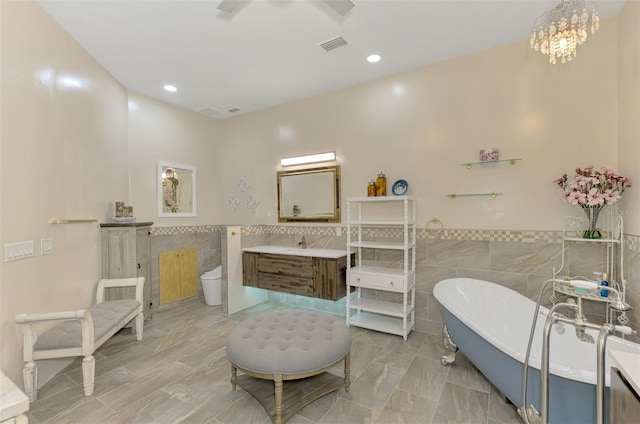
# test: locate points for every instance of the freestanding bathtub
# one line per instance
(490, 324)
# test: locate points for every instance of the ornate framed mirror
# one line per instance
(309, 195)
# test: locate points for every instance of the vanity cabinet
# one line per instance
(178, 275)
(395, 215)
(323, 278)
(126, 253)
(625, 401)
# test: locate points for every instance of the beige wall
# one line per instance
(420, 125)
(629, 107)
(64, 155)
(162, 132)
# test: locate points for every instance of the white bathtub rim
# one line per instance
(565, 371)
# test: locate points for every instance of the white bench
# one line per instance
(79, 333)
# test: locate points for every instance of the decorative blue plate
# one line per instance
(399, 188)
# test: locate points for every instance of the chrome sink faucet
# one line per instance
(303, 243)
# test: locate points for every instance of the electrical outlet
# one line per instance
(46, 246)
(16, 251)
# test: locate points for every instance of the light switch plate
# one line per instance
(16, 251)
(46, 246)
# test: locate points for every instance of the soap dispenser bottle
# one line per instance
(605, 282)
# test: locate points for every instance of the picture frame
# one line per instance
(176, 190)
(489, 155)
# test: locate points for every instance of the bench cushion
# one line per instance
(68, 334)
(288, 342)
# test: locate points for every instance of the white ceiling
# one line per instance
(266, 53)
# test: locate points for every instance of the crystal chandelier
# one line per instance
(558, 32)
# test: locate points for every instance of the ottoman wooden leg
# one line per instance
(277, 382)
(347, 372)
(234, 376)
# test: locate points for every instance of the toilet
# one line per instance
(212, 286)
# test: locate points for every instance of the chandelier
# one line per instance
(558, 32)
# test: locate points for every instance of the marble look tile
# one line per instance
(247, 410)
(501, 411)
(429, 327)
(434, 309)
(425, 378)
(461, 405)
(463, 373)
(205, 396)
(400, 353)
(318, 408)
(432, 348)
(375, 338)
(119, 397)
(57, 384)
(404, 407)
(112, 362)
(459, 253)
(524, 257)
(513, 280)
(375, 385)
(92, 411)
(428, 276)
(345, 411)
(584, 258)
(69, 399)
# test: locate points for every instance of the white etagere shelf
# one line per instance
(613, 234)
(381, 315)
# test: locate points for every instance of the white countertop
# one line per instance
(297, 251)
(629, 365)
(13, 401)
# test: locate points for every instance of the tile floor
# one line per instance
(179, 373)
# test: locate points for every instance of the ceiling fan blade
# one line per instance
(229, 6)
(342, 7)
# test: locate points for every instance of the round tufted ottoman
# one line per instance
(288, 345)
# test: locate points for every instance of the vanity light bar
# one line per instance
(299, 160)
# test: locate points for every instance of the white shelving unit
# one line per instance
(397, 214)
(612, 238)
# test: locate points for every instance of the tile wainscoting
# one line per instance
(520, 260)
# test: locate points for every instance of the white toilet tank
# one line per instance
(212, 286)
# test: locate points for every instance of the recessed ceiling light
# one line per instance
(170, 88)
(373, 58)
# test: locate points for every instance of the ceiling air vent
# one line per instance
(209, 111)
(234, 110)
(333, 43)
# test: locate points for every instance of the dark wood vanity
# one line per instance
(319, 277)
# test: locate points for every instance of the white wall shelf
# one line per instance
(470, 165)
(391, 317)
(491, 194)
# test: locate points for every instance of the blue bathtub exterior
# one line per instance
(570, 402)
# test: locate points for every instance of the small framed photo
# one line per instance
(489, 155)
(120, 210)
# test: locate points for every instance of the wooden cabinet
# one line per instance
(396, 215)
(126, 253)
(178, 275)
(625, 401)
(323, 278)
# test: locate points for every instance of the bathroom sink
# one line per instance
(296, 251)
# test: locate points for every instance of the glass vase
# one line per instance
(592, 231)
